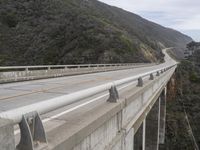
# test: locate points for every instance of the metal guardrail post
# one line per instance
(114, 95)
(140, 82)
(32, 132)
(27, 69)
(158, 73)
(151, 77)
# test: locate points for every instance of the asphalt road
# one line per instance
(19, 94)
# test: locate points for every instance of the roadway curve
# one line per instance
(19, 94)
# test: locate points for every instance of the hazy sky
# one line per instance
(182, 15)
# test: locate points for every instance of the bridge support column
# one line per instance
(6, 135)
(129, 140)
(144, 134)
(152, 127)
(140, 136)
(162, 116)
(158, 140)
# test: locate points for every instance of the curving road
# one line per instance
(19, 94)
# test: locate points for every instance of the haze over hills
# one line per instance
(80, 31)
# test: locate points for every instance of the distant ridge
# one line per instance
(78, 31)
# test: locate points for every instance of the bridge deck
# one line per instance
(23, 93)
(19, 94)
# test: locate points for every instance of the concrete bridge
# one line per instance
(88, 107)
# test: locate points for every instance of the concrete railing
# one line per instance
(22, 73)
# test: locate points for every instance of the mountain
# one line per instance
(34, 32)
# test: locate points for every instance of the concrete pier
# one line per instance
(138, 138)
(162, 117)
(152, 127)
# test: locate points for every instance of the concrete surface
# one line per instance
(6, 135)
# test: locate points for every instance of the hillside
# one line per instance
(183, 110)
(36, 32)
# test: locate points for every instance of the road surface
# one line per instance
(24, 93)
(14, 95)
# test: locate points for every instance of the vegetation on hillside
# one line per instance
(36, 32)
(186, 104)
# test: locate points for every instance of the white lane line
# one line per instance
(76, 107)
(81, 105)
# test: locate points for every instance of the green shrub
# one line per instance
(193, 77)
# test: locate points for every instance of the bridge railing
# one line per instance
(22, 73)
(47, 67)
(49, 105)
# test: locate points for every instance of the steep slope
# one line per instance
(78, 31)
(183, 110)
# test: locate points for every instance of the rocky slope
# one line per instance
(36, 32)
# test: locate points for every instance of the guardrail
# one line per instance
(46, 106)
(22, 73)
(28, 116)
(63, 66)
